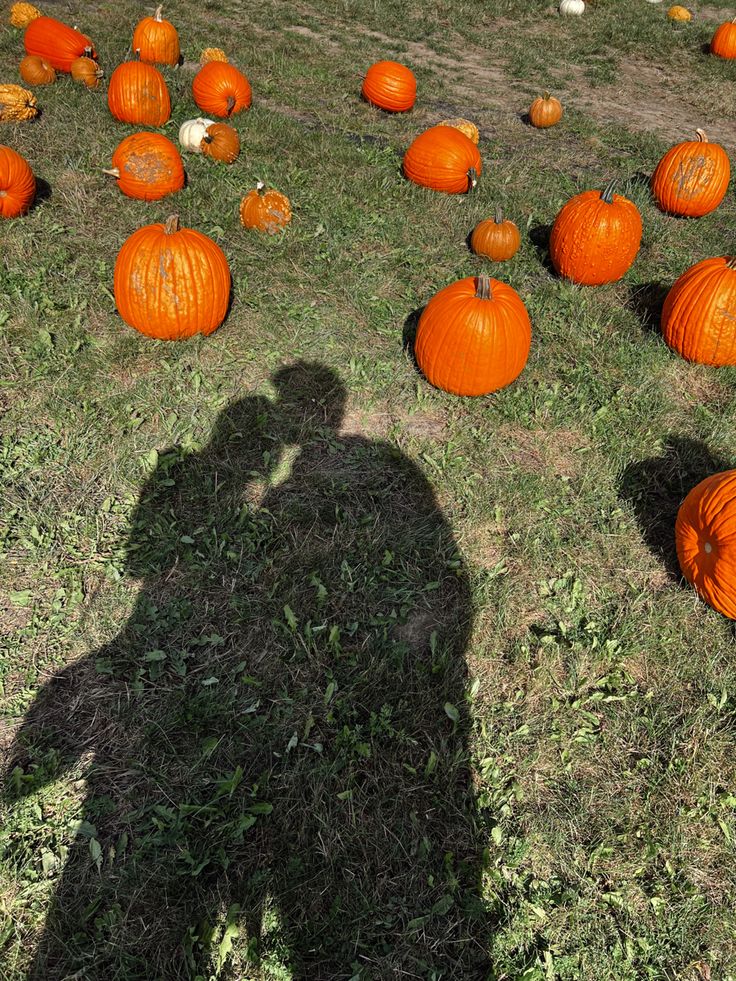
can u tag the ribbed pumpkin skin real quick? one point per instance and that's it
(390, 86)
(470, 346)
(723, 43)
(705, 536)
(699, 314)
(545, 111)
(56, 43)
(86, 71)
(17, 184)
(156, 40)
(266, 210)
(495, 238)
(137, 94)
(593, 242)
(150, 166)
(692, 178)
(36, 71)
(442, 158)
(220, 89)
(221, 143)
(171, 285)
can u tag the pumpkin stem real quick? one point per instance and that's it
(172, 225)
(230, 104)
(260, 188)
(607, 192)
(498, 217)
(731, 262)
(702, 138)
(546, 96)
(483, 288)
(113, 173)
(157, 16)
(472, 178)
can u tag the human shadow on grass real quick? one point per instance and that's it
(278, 735)
(657, 486)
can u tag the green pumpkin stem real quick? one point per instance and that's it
(483, 288)
(546, 96)
(607, 192)
(172, 224)
(472, 178)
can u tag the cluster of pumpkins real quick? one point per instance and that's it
(723, 43)
(473, 336)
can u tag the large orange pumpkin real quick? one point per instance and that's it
(219, 88)
(137, 93)
(17, 184)
(147, 166)
(705, 536)
(473, 337)
(595, 237)
(692, 178)
(156, 40)
(444, 159)
(57, 43)
(390, 86)
(171, 282)
(699, 314)
(723, 43)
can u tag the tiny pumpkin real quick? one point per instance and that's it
(545, 111)
(156, 40)
(465, 126)
(17, 104)
(192, 132)
(17, 184)
(219, 88)
(679, 13)
(171, 282)
(699, 313)
(147, 166)
(21, 14)
(391, 86)
(87, 71)
(692, 178)
(705, 536)
(221, 142)
(265, 210)
(723, 42)
(137, 94)
(56, 42)
(496, 238)
(443, 159)
(36, 71)
(212, 54)
(473, 337)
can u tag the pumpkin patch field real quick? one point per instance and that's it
(368, 491)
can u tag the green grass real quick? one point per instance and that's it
(327, 674)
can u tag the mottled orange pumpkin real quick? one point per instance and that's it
(705, 536)
(87, 71)
(17, 184)
(699, 314)
(156, 41)
(147, 166)
(137, 94)
(497, 238)
(21, 14)
(57, 43)
(545, 111)
(723, 43)
(265, 210)
(36, 71)
(444, 159)
(171, 282)
(220, 89)
(390, 86)
(221, 143)
(692, 178)
(595, 237)
(473, 337)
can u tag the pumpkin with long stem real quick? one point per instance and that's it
(473, 337)
(443, 159)
(699, 313)
(137, 93)
(390, 86)
(87, 71)
(264, 209)
(496, 238)
(156, 40)
(220, 89)
(171, 282)
(221, 142)
(147, 166)
(595, 237)
(21, 14)
(723, 42)
(36, 71)
(57, 43)
(17, 104)
(692, 178)
(545, 111)
(17, 184)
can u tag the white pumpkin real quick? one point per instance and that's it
(192, 132)
(572, 8)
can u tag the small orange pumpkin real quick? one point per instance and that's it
(705, 536)
(545, 111)
(137, 94)
(473, 337)
(36, 71)
(147, 166)
(87, 71)
(723, 43)
(496, 238)
(692, 178)
(699, 314)
(56, 42)
(156, 41)
(221, 143)
(171, 282)
(444, 159)
(17, 184)
(390, 86)
(220, 89)
(267, 211)
(595, 237)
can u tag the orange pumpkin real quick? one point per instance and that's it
(87, 71)
(545, 111)
(156, 40)
(220, 89)
(699, 314)
(36, 71)
(17, 184)
(137, 93)
(147, 166)
(692, 178)
(221, 142)
(212, 54)
(57, 43)
(266, 211)
(21, 14)
(595, 237)
(723, 43)
(705, 536)
(390, 86)
(171, 282)
(496, 238)
(444, 159)
(473, 337)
